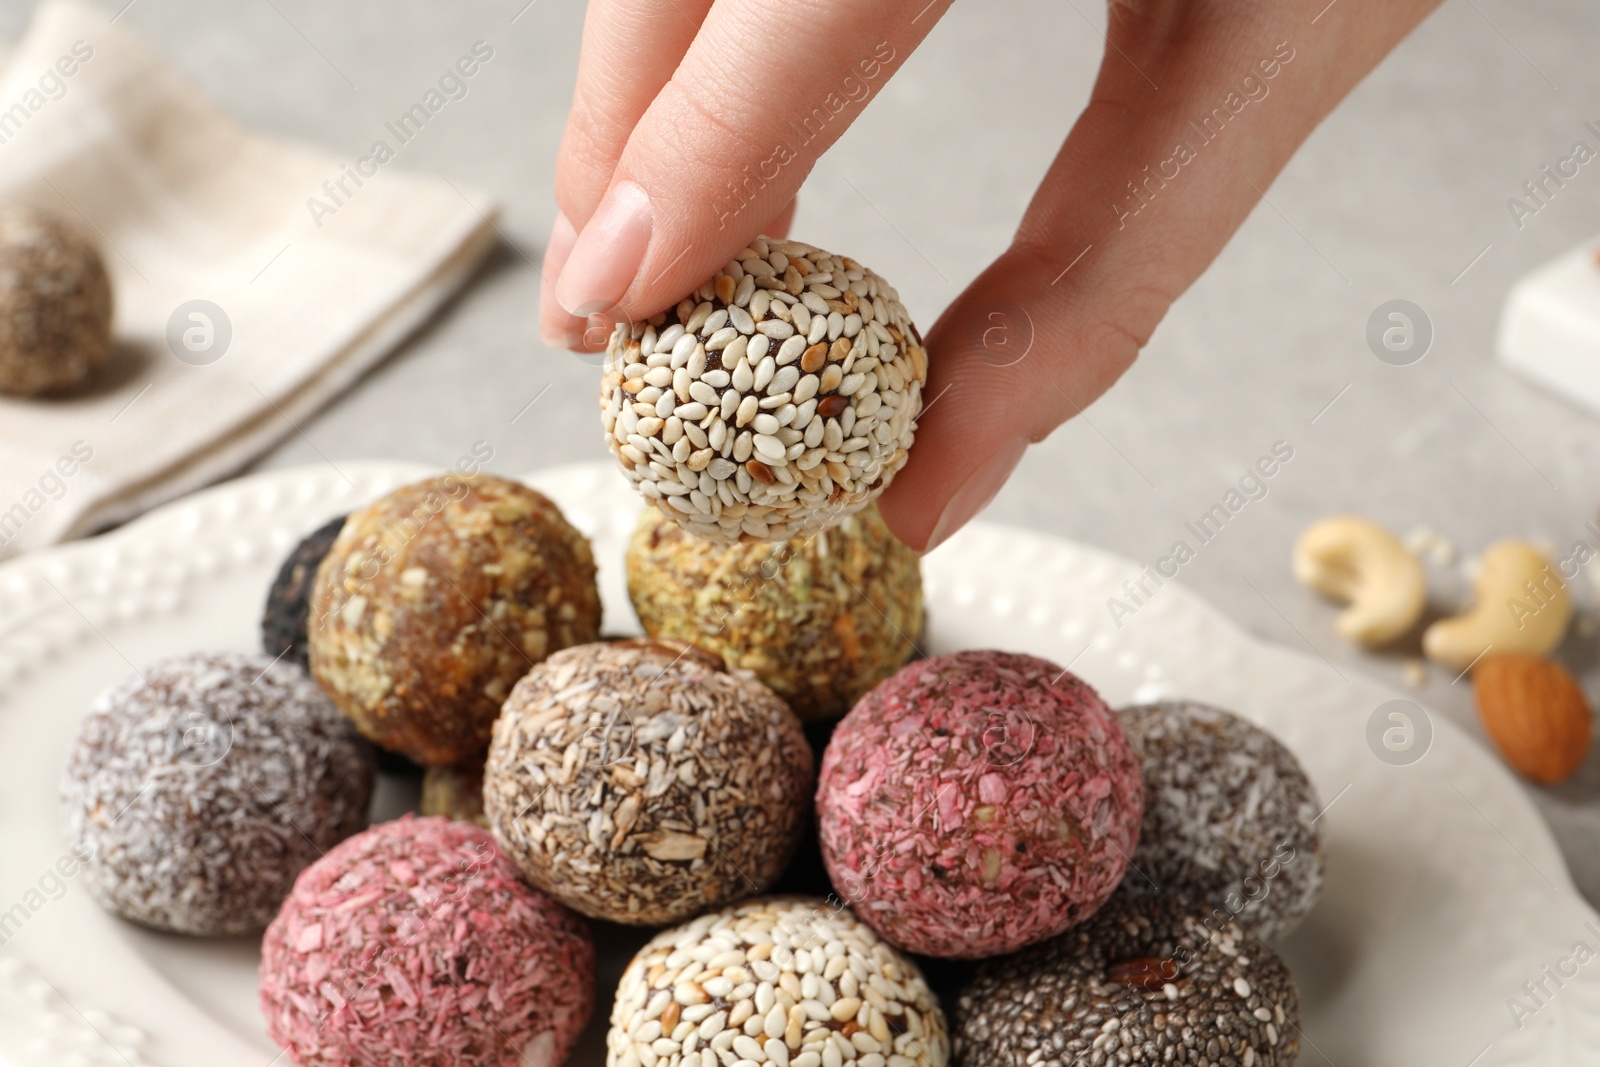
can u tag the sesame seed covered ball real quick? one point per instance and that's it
(1147, 981)
(417, 942)
(788, 981)
(820, 618)
(976, 803)
(436, 599)
(1229, 816)
(55, 304)
(288, 609)
(642, 782)
(202, 787)
(777, 398)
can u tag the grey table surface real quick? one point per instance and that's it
(1400, 194)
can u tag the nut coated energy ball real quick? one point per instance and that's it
(820, 618)
(777, 398)
(202, 787)
(418, 943)
(1229, 816)
(1147, 981)
(640, 782)
(784, 980)
(436, 599)
(55, 304)
(976, 803)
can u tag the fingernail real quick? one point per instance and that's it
(609, 252)
(975, 493)
(557, 328)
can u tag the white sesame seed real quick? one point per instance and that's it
(764, 424)
(775, 328)
(767, 370)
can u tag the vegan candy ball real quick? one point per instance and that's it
(779, 397)
(203, 787)
(782, 980)
(641, 782)
(820, 618)
(55, 304)
(1178, 988)
(976, 803)
(1229, 816)
(436, 599)
(288, 609)
(416, 942)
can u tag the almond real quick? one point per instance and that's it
(1535, 712)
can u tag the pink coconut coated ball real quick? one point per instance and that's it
(417, 942)
(977, 803)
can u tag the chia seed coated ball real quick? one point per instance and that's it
(55, 304)
(456, 792)
(774, 400)
(1228, 816)
(976, 803)
(203, 787)
(417, 942)
(1148, 980)
(781, 980)
(288, 609)
(436, 599)
(820, 618)
(642, 782)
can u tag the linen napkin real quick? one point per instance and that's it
(240, 310)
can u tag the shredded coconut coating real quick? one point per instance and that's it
(779, 397)
(436, 599)
(820, 619)
(1229, 816)
(204, 787)
(641, 782)
(55, 304)
(417, 943)
(976, 803)
(288, 608)
(456, 792)
(787, 981)
(1147, 981)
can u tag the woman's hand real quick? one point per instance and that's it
(694, 123)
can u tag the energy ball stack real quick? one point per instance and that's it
(288, 610)
(784, 981)
(436, 599)
(1146, 982)
(640, 782)
(777, 398)
(977, 803)
(417, 943)
(1229, 817)
(55, 304)
(821, 618)
(203, 787)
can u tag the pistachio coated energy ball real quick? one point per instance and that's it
(820, 618)
(436, 599)
(779, 397)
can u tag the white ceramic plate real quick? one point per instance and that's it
(1445, 892)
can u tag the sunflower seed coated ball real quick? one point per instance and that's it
(642, 782)
(1147, 981)
(787, 981)
(201, 788)
(1229, 816)
(777, 398)
(55, 304)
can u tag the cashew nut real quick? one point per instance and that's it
(1356, 561)
(1521, 605)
